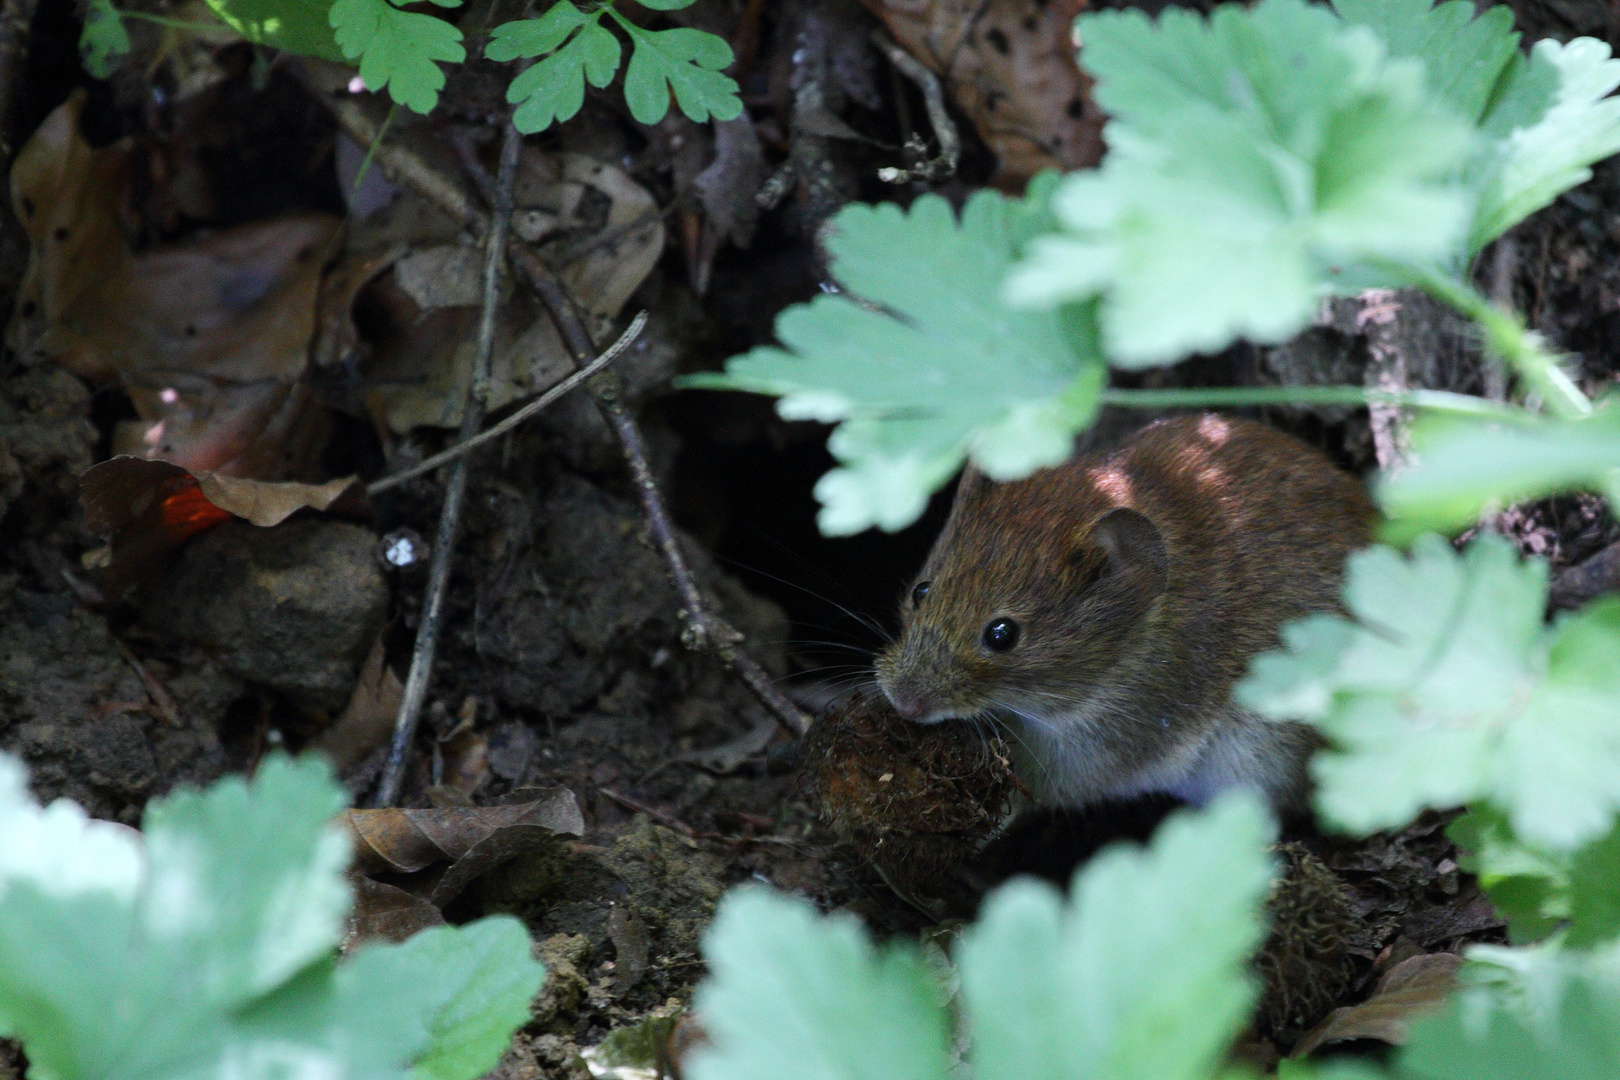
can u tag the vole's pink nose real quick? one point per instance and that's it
(907, 705)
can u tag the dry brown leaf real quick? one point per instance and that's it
(146, 508)
(385, 912)
(473, 840)
(726, 191)
(368, 719)
(69, 198)
(1415, 986)
(212, 336)
(597, 228)
(1010, 66)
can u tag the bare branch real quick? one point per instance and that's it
(472, 418)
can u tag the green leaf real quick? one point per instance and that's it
(926, 367)
(1556, 120)
(103, 39)
(1539, 890)
(1464, 467)
(666, 5)
(535, 37)
(1446, 689)
(1523, 1014)
(554, 89)
(1255, 160)
(298, 26)
(242, 890)
(472, 987)
(1468, 54)
(796, 996)
(1594, 892)
(682, 60)
(208, 950)
(1530, 887)
(397, 49)
(1141, 975)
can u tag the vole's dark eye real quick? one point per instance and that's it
(919, 592)
(1000, 635)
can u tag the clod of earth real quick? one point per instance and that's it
(295, 607)
(917, 800)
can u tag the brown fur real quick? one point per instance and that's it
(1133, 631)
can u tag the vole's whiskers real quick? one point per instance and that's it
(866, 621)
(1011, 729)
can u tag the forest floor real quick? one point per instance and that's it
(314, 319)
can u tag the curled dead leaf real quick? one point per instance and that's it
(1415, 986)
(1010, 66)
(146, 508)
(473, 840)
(368, 719)
(385, 912)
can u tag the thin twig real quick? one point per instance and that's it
(950, 143)
(702, 629)
(472, 418)
(556, 391)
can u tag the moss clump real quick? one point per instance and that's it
(1306, 966)
(916, 799)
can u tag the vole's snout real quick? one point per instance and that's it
(903, 693)
(910, 706)
(912, 676)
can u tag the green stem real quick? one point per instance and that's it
(1434, 400)
(1509, 339)
(173, 24)
(371, 151)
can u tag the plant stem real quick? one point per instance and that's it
(1518, 346)
(552, 394)
(1435, 400)
(172, 24)
(472, 418)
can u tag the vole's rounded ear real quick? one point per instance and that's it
(1133, 543)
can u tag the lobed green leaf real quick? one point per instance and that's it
(1255, 160)
(1523, 1014)
(535, 37)
(209, 950)
(103, 39)
(1462, 468)
(919, 363)
(684, 61)
(554, 89)
(1141, 974)
(397, 49)
(1445, 689)
(796, 996)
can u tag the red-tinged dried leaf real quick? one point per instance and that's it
(1010, 66)
(146, 509)
(1410, 989)
(385, 912)
(473, 839)
(367, 721)
(268, 429)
